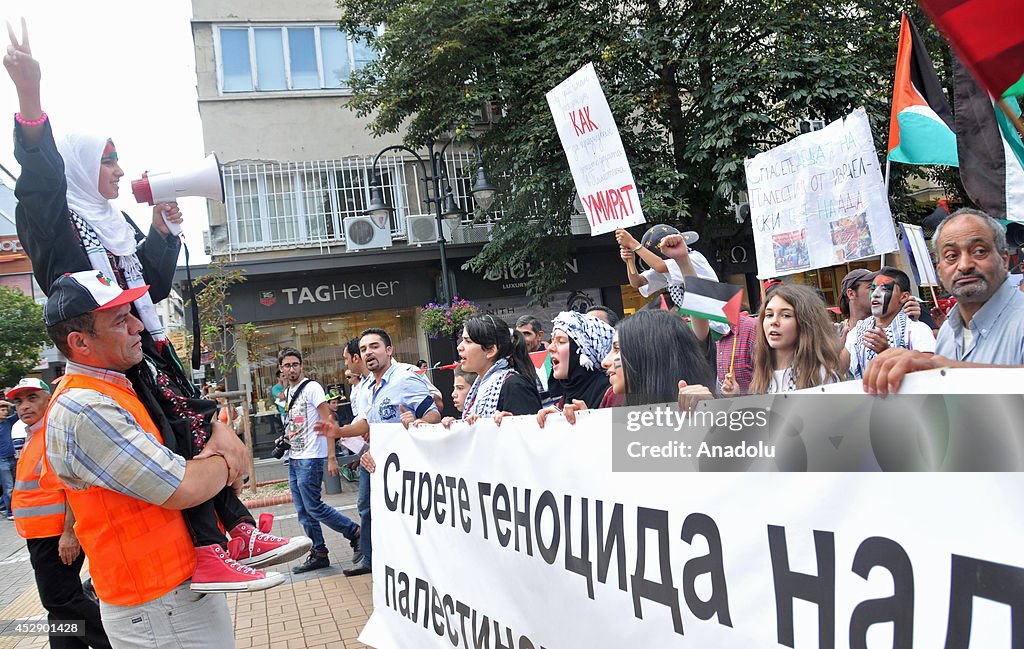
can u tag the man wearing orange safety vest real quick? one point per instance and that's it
(125, 487)
(45, 522)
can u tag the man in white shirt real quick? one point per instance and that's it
(306, 404)
(888, 327)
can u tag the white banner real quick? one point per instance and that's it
(594, 149)
(819, 200)
(525, 537)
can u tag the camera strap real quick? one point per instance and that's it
(295, 395)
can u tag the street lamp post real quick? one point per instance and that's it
(483, 193)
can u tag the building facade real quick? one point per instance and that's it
(298, 168)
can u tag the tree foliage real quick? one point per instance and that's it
(22, 335)
(696, 86)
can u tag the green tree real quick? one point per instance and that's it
(22, 335)
(696, 86)
(218, 327)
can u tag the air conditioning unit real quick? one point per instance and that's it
(422, 228)
(365, 233)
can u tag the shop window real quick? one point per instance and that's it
(322, 341)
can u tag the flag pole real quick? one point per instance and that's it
(1015, 119)
(732, 361)
(888, 164)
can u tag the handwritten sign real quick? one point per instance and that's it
(819, 200)
(594, 149)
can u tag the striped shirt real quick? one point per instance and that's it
(91, 441)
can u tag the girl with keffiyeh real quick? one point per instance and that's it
(507, 380)
(67, 223)
(578, 345)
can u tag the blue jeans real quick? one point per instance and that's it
(304, 478)
(8, 468)
(365, 538)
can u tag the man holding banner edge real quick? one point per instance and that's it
(986, 328)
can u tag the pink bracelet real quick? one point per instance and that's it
(24, 122)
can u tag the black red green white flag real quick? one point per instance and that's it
(712, 300)
(990, 149)
(921, 123)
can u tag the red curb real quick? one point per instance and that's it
(268, 482)
(267, 502)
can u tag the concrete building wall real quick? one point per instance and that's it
(287, 126)
(264, 10)
(286, 129)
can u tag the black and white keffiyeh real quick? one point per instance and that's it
(895, 333)
(483, 396)
(593, 337)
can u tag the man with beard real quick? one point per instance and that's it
(986, 327)
(388, 393)
(888, 326)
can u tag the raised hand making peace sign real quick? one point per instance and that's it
(24, 72)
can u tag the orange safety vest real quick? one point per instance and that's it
(137, 551)
(38, 513)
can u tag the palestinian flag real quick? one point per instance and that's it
(988, 36)
(712, 300)
(541, 362)
(991, 151)
(921, 126)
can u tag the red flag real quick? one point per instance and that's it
(988, 36)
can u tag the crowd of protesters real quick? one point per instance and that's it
(791, 343)
(124, 455)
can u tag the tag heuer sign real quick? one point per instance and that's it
(267, 298)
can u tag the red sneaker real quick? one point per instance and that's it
(217, 572)
(258, 548)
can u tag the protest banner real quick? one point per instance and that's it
(594, 149)
(819, 200)
(524, 537)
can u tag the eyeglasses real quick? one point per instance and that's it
(289, 366)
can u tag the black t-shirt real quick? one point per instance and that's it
(519, 396)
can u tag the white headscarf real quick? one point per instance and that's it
(100, 225)
(81, 154)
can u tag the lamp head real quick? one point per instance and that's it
(484, 192)
(451, 208)
(377, 207)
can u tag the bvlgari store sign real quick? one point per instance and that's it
(582, 270)
(259, 300)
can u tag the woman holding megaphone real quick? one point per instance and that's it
(67, 223)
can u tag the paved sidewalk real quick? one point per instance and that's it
(318, 609)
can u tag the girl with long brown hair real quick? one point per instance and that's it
(796, 344)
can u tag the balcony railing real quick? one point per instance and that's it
(304, 204)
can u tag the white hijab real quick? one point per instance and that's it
(81, 154)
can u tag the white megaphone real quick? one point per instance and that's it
(203, 179)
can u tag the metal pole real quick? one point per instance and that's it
(446, 292)
(246, 431)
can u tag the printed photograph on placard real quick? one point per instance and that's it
(851, 238)
(790, 250)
